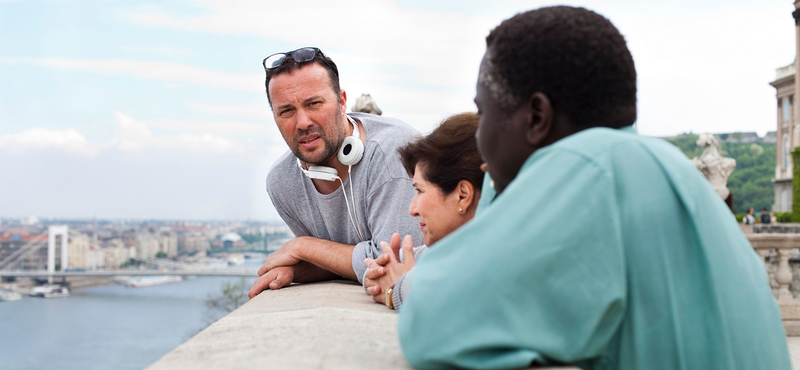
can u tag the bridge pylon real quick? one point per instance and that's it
(53, 232)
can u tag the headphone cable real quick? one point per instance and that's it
(344, 192)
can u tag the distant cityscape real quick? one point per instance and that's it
(105, 244)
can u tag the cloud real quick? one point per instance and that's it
(135, 136)
(200, 143)
(69, 141)
(693, 66)
(256, 110)
(216, 127)
(151, 70)
(169, 51)
(430, 47)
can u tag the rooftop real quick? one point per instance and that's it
(784, 71)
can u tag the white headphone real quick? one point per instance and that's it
(349, 155)
(352, 148)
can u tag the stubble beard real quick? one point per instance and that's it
(329, 147)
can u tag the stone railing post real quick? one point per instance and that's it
(764, 243)
(784, 278)
(763, 254)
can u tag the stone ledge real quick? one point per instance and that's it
(328, 325)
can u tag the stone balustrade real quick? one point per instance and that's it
(780, 247)
(782, 228)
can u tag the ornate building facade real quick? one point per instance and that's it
(787, 89)
(786, 138)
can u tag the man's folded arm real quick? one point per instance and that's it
(327, 255)
(326, 259)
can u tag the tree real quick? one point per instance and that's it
(751, 181)
(232, 296)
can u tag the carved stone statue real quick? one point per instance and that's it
(365, 104)
(713, 165)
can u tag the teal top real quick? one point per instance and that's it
(608, 251)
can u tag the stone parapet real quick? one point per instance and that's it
(782, 228)
(328, 325)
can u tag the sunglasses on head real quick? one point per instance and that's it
(300, 55)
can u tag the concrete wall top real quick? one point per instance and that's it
(328, 325)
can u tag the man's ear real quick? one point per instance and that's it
(540, 119)
(343, 100)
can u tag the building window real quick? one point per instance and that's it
(784, 201)
(786, 109)
(785, 152)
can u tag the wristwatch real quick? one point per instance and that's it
(389, 301)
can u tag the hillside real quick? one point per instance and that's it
(751, 181)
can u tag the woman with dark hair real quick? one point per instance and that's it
(445, 167)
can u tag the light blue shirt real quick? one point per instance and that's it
(608, 250)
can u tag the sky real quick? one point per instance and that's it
(157, 110)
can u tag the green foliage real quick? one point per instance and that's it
(783, 216)
(688, 145)
(751, 181)
(131, 263)
(251, 238)
(161, 255)
(230, 298)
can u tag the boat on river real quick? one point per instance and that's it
(49, 291)
(145, 281)
(235, 260)
(9, 295)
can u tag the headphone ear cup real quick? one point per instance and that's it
(351, 151)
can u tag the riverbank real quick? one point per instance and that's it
(72, 282)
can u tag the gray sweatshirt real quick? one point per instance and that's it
(382, 192)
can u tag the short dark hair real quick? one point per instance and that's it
(447, 155)
(574, 56)
(288, 64)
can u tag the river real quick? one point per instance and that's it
(106, 327)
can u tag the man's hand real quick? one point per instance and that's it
(383, 272)
(304, 259)
(276, 278)
(287, 255)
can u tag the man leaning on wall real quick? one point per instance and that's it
(340, 188)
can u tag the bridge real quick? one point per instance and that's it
(108, 273)
(165, 267)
